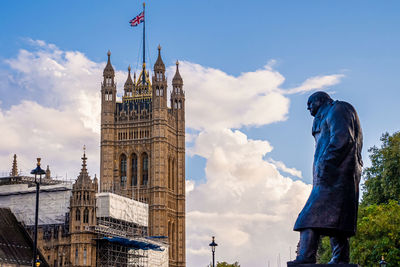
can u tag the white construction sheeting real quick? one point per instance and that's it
(122, 208)
(158, 258)
(21, 199)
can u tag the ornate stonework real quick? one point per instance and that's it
(143, 149)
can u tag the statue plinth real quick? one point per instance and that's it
(322, 265)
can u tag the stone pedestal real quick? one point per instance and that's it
(322, 265)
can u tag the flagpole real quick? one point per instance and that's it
(144, 43)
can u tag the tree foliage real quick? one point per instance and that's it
(225, 264)
(382, 179)
(378, 234)
(378, 225)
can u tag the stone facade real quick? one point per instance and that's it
(82, 216)
(72, 243)
(143, 149)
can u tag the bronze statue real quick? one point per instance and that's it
(331, 209)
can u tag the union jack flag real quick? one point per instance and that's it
(137, 20)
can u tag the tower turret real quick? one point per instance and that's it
(82, 218)
(159, 83)
(159, 66)
(129, 85)
(177, 94)
(48, 173)
(108, 100)
(108, 70)
(108, 92)
(14, 170)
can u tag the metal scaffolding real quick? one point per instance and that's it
(123, 254)
(111, 254)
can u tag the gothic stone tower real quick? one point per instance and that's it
(143, 149)
(82, 214)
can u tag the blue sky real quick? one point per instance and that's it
(357, 40)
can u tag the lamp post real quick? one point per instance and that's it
(383, 263)
(213, 245)
(36, 172)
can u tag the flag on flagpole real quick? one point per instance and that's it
(137, 20)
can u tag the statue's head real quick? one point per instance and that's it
(317, 100)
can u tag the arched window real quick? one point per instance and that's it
(179, 104)
(173, 240)
(169, 172)
(159, 76)
(76, 256)
(86, 216)
(145, 169)
(170, 240)
(78, 215)
(157, 92)
(161, 91)
(175, 104)
(108, 81)
(134, 169)
(123, 170)
(84, 256)
(173, 175)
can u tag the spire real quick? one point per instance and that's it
(83, 175)
(14, 170)
(177, 80)
(109, 68)
(84, 158)
(159, 65)
(48, 173)
(129, 79)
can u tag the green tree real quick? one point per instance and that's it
(378, 234)
(382, 179)
(225, 264)
(378, 225)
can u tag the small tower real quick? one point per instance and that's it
(108, 100)
(82, 218)
(129, 85)
(14, 170)
(48, 173)
(177, 94)
(108, 92)
(159, 83)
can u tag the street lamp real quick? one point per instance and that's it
(213, 245)
(38, 171)
(382, 263)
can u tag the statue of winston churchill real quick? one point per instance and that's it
(331, 209)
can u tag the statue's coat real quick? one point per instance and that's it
(333, 203)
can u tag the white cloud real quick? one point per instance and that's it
(216, 100)
(281, 166)
(317, 82)
(252, 98)
(62, 115)
(246, 203)
(189, 186)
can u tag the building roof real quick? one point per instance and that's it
(16, 246)
(177, 80)
(159, 65)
